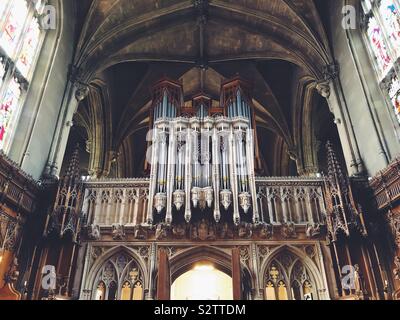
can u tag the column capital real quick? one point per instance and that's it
(330, 71)
(82, 91)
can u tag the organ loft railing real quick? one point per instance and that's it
(112, 202)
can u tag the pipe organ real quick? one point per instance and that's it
(202, 155)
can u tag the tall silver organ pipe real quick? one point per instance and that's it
(203, 154)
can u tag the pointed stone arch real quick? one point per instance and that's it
(321, 287)
(185, 261)
(93, 273)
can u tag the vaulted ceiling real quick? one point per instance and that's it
(125, 46)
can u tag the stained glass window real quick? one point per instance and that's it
(2, 71)
(375, 35)
(30, 45)
(394, 94)
(3, 5)
(7, 108)
(20, 39)
(383, 38)
(391, 20)
(15, 20)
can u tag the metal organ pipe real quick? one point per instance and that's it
(233, 174)
(199, 160)
(153, 174)
(251, 173)
(215, 178)
(188, 174)
(170, 173)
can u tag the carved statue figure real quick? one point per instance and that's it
(245, 231)
(161, 232)
(179, 231)
(203, 231)
(93, 232)
(140, 232)
(313, 230)
(266, 231)
(118, 232)
(288, 230)
(225, 231)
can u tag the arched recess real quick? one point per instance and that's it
(115, 273)
(289, 274)
(304, 126)
(95, 116)
(185, 261)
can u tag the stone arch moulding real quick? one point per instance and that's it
(184, 261)
(320, 282)
(90, 275)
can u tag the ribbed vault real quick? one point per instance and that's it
(125, 46)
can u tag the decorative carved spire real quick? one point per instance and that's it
(336, 177)
(72, 174)
(66, 216)
(342, 212)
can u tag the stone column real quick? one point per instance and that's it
(76, 92)
(308, 206)
(269, 204)
(85, 205)
(330, 89)
(136, 200)
(284, 206)
(151, 271)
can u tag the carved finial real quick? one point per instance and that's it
(72, 174)
(335, 172)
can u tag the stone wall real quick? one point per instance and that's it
(375, 130)
(42, 107)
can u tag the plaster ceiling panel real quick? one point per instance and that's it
(176, 42)
(278, 10)
(196, 81)
(224, 40)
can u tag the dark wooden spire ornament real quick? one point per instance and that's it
(65, 216)
(342, 210)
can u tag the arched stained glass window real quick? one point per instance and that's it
(394, 94)
(382, 21)
(14, 26)
(9, 104)
(391, 20)
(30, 45)
(20, 42)
(375, 36)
